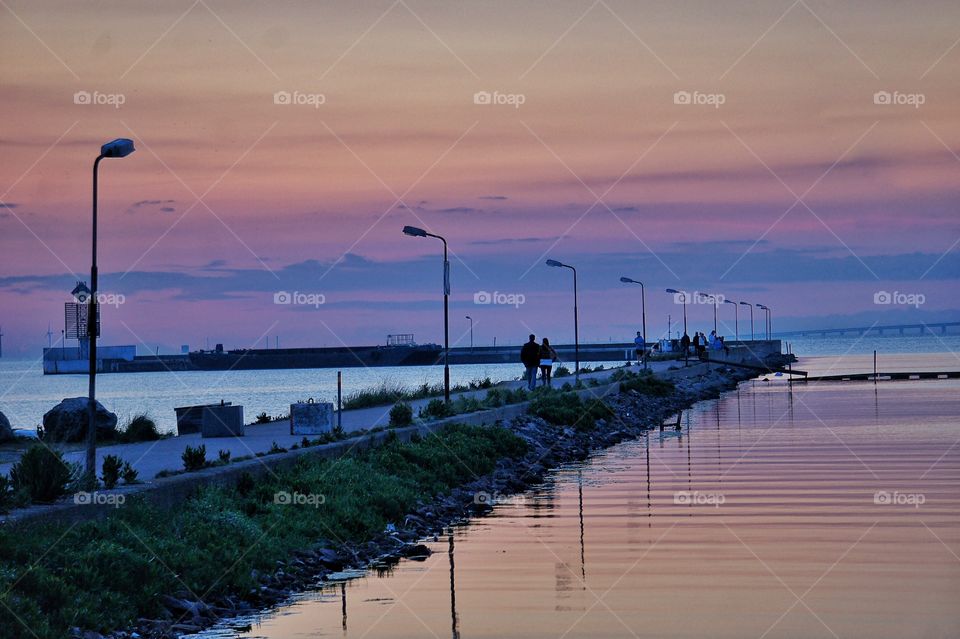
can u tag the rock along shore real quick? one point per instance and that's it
(548, 446)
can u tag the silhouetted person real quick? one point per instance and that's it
(530, 358)
(641, 347)
(685, 345)
(547, 355)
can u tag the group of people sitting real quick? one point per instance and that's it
(537, 357)
(701, 343)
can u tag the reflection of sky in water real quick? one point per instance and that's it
(638, 527)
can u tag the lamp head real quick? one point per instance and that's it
(761, 306)
(414, 231)
(673, 291)
(626, 280)
(554, 263)
(729, 302)
(119, 148)
(745, 304)
(467, 317)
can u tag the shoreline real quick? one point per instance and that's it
(632, 414)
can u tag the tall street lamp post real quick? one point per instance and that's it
(736, 319)
(643, 313)
(683, 296)
(768, 325)
(751, 318)
(576, 321)
(119, 148)
(471, 332)
(413, 231)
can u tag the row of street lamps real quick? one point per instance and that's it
(768, 324)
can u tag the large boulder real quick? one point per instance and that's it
(6, 431)
(67, 421)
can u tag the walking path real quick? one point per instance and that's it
(149, 458)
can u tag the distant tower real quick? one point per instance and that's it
(49, 336)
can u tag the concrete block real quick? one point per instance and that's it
(222, 421)
(190, 418)
(311, 418)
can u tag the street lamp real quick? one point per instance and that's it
(751, 318)
(643, 313)
(767, 323)
(736, 319)
(683, 296)
(413, 231)
(119, 148)
(576, 326)
(471, 332)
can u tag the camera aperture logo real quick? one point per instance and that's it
(483, 98)
(297, 298)
(496, 499)
(97, 498)
(299, 98)
(499, 299)
(103, 299)
(698, 498)
(696, 98)
(95, 98)
(895, 98)
(283, 498)
(899, 299)
(896, 498)
(683, 297)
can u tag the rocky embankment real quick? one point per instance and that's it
(632, 413)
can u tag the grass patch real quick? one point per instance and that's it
(391, 392)
(103, 575)
(567, 409)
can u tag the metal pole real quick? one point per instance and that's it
(736, 320)
(576, 328)
(446, 326)
(874, 367)
(714, 313)
(752, 338)
(91, 460)
(686, 351)
(339, 399)
(643, 321)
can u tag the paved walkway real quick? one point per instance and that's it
(149, 458)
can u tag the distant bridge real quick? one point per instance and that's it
(930, 327)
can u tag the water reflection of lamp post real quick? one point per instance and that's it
(643, 313)
(413, 231)
(453, 592)
(576, 327)
(119, 148)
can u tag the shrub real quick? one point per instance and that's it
(194, 458)
(435, 409)
(140, 429)
(401, 414)
(464, 404)
(129, 473)
(42, 473)
(6, 494)
(276, 448)
(263, 418)
(494, 398)
(562, 371)
(566, 409)
(648, 385)
(112, 466)
(224, 456)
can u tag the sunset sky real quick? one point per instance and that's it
(791, 183)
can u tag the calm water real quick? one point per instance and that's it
(819, 511)
(26, 393)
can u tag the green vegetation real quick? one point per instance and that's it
(103, 575)
(401, 415)
(567, 409)
(391, 392)
(645, 383)
(562, 371)
(263, 418)
(140, 429)
(43, 474)
(110, 471)
(194, 458)
(495, 398)
(224, 456)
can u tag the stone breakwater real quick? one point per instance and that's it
(548, 446)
